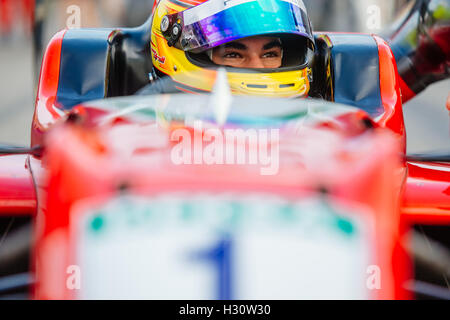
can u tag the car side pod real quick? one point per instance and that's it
(17, 194)
(427, 192)
(18, 206)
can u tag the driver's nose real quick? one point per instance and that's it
(255, 62)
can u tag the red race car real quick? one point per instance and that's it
(215, 196)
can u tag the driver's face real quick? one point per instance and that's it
(255, 52)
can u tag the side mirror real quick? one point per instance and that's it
(10, 150)
(430, 157)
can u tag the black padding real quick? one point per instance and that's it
(322, 76)
(130, 62)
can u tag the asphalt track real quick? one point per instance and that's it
(427, 119)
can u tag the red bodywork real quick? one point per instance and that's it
(17, 194)
(352, 177)
(424, 188)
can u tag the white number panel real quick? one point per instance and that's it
(204, 246)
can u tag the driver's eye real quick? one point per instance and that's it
(271, 54)
(232, 55)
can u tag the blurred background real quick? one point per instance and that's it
(25, 32)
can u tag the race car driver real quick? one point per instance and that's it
(266, 46)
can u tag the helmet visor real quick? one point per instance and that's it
(216, 22)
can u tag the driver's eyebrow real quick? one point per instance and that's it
(235, 45)
(272, 44)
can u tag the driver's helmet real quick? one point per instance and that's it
(184, 32)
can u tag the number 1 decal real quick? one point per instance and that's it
(220, 256)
